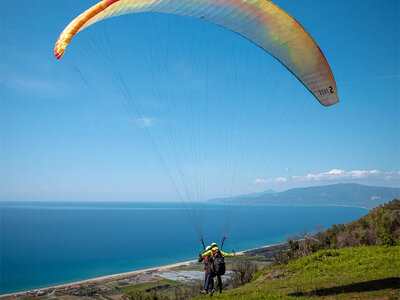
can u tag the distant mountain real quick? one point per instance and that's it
(235, 198)
(336, 194)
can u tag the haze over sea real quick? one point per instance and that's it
(49, 243)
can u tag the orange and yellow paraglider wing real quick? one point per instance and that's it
(75, 26)
(260, 21)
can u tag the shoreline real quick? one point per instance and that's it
(298, 205)
(104, 278)
(123, 275)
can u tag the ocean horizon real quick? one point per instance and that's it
(50, 243)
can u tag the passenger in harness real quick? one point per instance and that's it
(209, 271)
(219, 263)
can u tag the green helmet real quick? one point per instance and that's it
(208, 248)
(214, 245)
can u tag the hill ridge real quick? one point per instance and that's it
(349, 194)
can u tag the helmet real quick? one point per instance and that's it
(208, 248)
(214, 245)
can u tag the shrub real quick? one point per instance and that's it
(294, 245)
(243, 271)
(385, 238)
(380, 226)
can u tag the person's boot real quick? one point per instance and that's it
(204, 292)
(211, 293)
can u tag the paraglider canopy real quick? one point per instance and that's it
(260, 21)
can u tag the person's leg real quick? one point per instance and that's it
(207, 284)
(219, 283)
(211, 285)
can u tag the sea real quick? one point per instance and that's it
(49, 243)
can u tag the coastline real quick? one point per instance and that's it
(297, 205)
(120, 276)
(104, 278)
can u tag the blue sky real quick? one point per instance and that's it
(66, 133)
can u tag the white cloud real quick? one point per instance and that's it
(335, 174)
(145, 122)
(386, 76)
(34, 85)
(34, 75)
(392, 175)
(258, 180)
(280, 179)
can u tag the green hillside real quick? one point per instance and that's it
(357, 260)
(371, 272)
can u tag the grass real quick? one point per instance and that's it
(356, 273)
(194, 267)
(157, 285)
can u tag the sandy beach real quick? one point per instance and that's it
(119, 276)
